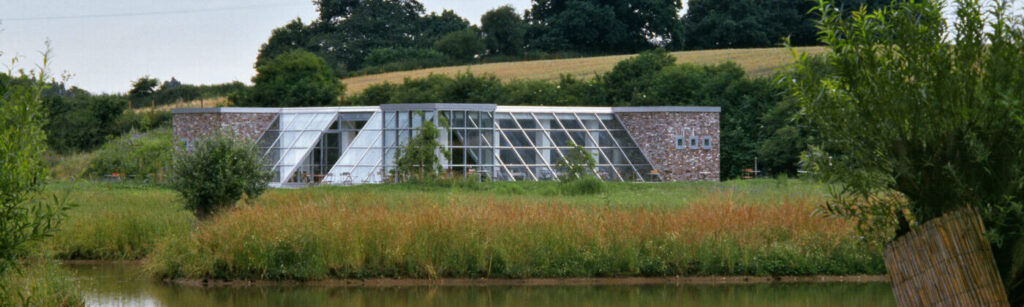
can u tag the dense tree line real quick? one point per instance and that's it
(370, 36)
(756, 119)
(81, 121)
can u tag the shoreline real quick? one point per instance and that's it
(568, 281)
(483, 282)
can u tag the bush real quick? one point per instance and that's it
(142, 156)
(583, 186)
(407, 58)
(214, 175)
(576, 164)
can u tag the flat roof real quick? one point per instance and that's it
(453, 106)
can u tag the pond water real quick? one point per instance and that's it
(126, 284)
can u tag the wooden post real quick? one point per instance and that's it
(945, 262)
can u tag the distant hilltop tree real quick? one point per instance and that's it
(297, 78)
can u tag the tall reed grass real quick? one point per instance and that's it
(39, 283)
(760, 228)
(116, 221)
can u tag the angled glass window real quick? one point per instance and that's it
(569, 121)
(504, 120)
(526, 121)
(590, 121)
(610, 122)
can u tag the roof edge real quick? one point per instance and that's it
(667, 109)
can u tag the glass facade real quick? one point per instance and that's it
(335, 147)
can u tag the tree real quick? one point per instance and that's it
(931, 115)
(215, 174)
(504, 31)
(577, 163)
(24, 215)
(294, 35)
(368, 25)
(461, 45)
(713, 24)
(435, 26)
(143, 87)
(296, 78)
(418, 159)
(605, 25)
(628, 76)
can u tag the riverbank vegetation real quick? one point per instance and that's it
(39, 283)
(466, 229)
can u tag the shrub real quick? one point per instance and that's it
(418, 159)
(583, 186)
(576, 164)
(217, 172)
(24, 217)
(405, 58)
(135, 156)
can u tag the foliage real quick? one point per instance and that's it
(143, 87)
(80, 121)
(216, 172)
(712, 24)
(504, 31)
(296, 78)
(462, 45)
(577, 163)
(117, 221)
(604, 25)
(294, 35)
(649, 79)
(353, 28)
(508, 230)
(932, 114)
(25, 217)
(585, 185)
(186, 92)
(433, 27)
(134, 156)
(418, 159)
(404, 58)
(43, 283)
(628, 75)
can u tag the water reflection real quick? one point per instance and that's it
(120, 284)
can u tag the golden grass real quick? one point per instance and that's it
(756, 61)
(200, 103)
(316, 234)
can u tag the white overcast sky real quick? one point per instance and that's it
(107, 44)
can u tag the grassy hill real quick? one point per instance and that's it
(757, 62)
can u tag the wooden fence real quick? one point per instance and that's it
(945, 262)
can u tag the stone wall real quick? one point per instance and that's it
(656, 134)
(249, 126)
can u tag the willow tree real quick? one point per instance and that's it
(25, 216)
(918, 119)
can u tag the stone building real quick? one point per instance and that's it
(353, 145)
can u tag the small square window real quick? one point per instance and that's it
(680, 142)
(693, 142)
(706, 142)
